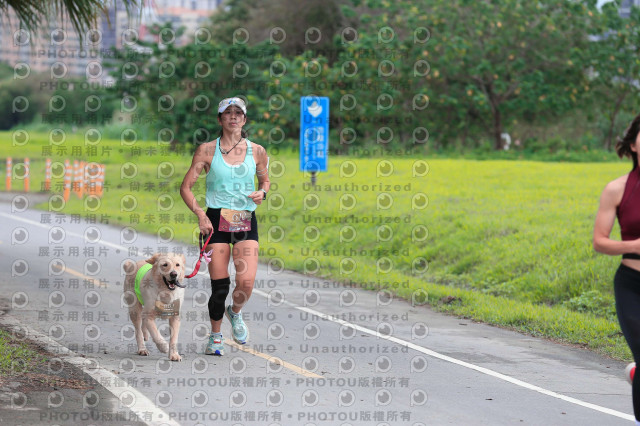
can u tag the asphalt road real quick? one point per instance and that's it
(319, 352)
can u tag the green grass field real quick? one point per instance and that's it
(505, 242)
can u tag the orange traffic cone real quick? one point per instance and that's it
(47, 175)
(7, 183)
(27, 181)
(67, 180)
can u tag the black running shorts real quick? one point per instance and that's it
(231, 237)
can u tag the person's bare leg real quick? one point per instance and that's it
(245, 259)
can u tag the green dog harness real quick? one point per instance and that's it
(141, 273)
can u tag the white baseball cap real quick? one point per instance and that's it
(227, 102)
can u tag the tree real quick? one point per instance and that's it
(81, 13)
(514, 58)
(24, 98)
(227, 20)
(177, 88)
(293, 25)
(614, 64)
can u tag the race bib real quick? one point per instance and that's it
(165, 310)
(234, 220)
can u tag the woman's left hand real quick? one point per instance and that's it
(257, 197)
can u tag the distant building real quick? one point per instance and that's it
(56, 49)
(191, 14)
(625, 7)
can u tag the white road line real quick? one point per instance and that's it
(461, 363)
(140, 405)
(410, 345)
(46, 226)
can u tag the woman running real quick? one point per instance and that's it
(230, 163)
(621, 198)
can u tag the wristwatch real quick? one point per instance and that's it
(265, 194)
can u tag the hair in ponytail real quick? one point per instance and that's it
(623, 146)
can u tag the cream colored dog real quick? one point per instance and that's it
(159, 294)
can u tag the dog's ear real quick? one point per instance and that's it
(129, 266)
(153, 259)
(184, 259)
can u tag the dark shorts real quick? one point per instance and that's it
(231, 237)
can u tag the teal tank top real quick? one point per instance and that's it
(228, 187)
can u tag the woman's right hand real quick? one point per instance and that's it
(205, 225)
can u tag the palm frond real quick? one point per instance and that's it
(82, 14)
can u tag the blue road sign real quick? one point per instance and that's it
(314, 133)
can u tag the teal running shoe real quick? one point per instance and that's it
(215, 347)
(239, 330)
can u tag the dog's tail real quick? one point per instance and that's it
(129, 267)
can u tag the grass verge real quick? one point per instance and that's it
(15, 355)
(25, 367)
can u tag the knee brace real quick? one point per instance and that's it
(219, 292)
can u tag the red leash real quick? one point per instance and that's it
(202, 249)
